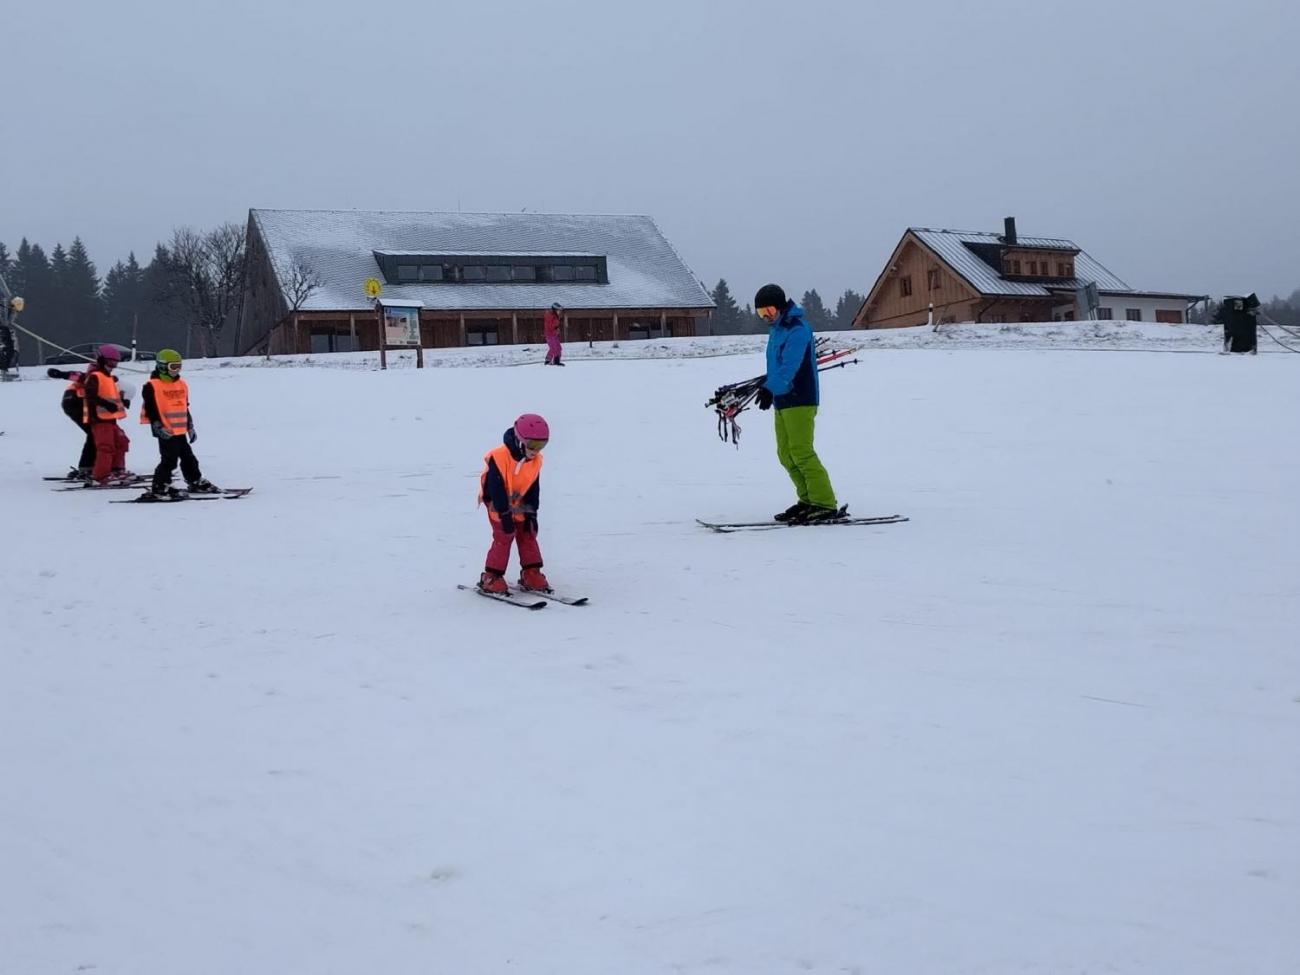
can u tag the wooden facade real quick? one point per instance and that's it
(916, 284)
(926, 281)
(325, 331)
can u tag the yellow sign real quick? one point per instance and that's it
(373, 287)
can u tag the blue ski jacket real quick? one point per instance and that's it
(792, 360)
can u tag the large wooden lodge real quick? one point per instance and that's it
(480, 278)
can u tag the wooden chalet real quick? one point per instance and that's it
(938, 276)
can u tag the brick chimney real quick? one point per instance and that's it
(1009, 230)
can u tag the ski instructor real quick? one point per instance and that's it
(791, 386)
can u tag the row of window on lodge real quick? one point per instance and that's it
(497, 273)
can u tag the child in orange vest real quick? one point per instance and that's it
(103, 405)
(510, 487)
(74, 408)
(166, 408)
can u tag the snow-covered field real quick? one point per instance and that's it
(1050, 725)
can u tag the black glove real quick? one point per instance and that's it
(530, 523)
(56, 373)
(507, 522)
(764, 398)
(194, 435)
(157, 429)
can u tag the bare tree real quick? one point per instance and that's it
(211, 269)
(300, 281)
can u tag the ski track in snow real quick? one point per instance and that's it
(1049, 725)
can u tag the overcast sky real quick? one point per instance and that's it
(786, 141)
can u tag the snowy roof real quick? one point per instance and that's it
(464, 253)
(950, 245)
(340, 245)
(388, 302)
(1133, 293)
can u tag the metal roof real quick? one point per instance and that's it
(950, 245)
(339, 245)
(445, 253)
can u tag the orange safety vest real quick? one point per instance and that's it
(519, 475)
(107, 390)
(173, 402)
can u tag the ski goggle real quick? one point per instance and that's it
(174, 368)
(767, 313)
(535, 444)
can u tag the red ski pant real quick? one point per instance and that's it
(553, 350)
(498, 556)
(111, 446)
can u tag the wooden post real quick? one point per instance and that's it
(464, 336)
(383, 337)
(615, 326)
(352, 329)
(663, 324)
(514, 328)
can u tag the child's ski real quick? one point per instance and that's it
(86, 487)
(150, 498)
(230, 493)
(522, 602)
(550, 595)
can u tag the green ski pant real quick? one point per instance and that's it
(794, 449)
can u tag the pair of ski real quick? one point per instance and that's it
(134, 481)
(528, 598)
(230, 494)
(725, 527)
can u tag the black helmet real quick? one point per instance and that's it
(770, 296)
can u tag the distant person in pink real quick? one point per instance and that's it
(551, 326)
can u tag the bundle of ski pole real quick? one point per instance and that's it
(730, 401)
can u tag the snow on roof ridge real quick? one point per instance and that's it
(467, 213)
(988, 233)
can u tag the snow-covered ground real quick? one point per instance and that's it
(1050, 725)
(1106, 336)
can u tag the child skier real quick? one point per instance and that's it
(510, 488)
(103, 404)
(73, 405)
(165, 406)
(551, 325)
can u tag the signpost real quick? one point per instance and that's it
(399, 325)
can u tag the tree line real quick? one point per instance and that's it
(182, 299)
(729, 318)
(1283, 311)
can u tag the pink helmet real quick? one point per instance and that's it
(110, 353)
(530, 426)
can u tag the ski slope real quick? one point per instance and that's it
(1049, 725)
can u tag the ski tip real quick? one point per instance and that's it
(508, 598)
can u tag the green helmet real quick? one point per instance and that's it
(165, 360)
